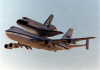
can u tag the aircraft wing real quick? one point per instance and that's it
(74, 39)
(79, 39)
(57, 41)
(72, 46)
(16, 45)
(21, 45)
(60, 42)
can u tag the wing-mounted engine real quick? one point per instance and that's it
(71, 41)
(12, 45)
(7, 46)
(16, 45)
(48, 43)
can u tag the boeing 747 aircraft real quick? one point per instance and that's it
(37, 28)
(29, 40)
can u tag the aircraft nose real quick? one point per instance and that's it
(22, 22)
(6, 30)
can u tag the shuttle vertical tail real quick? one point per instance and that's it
(68, 34)
(49, 20)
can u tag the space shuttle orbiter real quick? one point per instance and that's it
(37, 28)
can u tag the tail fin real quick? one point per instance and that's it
(68, 34)
(87, 44)
(49, 20)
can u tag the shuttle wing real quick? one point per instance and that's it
(43, 32)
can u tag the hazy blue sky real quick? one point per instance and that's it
(81, 15)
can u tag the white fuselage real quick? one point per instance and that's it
(24, 37)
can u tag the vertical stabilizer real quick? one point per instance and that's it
(87, 44)
(68, 34)
(49, 20)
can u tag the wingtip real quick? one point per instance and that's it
(94, 37)
(91, 37)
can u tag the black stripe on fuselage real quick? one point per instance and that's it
(63, 47)
(25, 35)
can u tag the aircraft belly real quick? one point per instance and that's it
(22, 39)
(45, 47)
(26, 41)
(17, 37)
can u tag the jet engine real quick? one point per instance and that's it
(16, 45)
(7, 46)
(10, 46)
(71, 41)
(48, 43)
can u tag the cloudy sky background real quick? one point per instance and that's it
(81, 15)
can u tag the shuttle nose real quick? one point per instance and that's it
(22, 22)
(19, 21)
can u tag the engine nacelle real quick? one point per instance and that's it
(12, 45)
(48, 43)
(7, 46)
(71, 41)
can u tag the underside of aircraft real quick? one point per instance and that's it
(30, 40)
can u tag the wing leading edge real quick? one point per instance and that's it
(73, 39)
(57, 41)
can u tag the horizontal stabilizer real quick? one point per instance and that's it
(66, 47)
(72, 46)
(73, 39)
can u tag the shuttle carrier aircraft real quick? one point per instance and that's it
(31, 40)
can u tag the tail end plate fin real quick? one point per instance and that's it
(87, 44)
